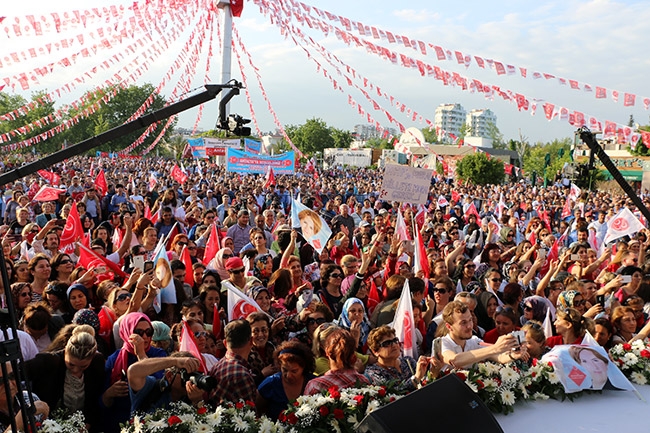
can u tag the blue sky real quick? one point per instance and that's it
(602, 43)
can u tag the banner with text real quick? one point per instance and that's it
(406, 184)
(243, 162)
(207, 147)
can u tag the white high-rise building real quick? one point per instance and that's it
(478, 122)
(449, 118)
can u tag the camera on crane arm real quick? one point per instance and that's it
(235, 125)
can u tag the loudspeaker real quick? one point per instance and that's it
(446, 405)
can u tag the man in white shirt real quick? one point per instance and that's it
(460, 348)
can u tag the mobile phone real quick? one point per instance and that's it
(138, 262)
(100, 270)
(601, 300)
(520, 336)
(148, 265)
(60, 222)
(541, 254)
(337, 243)
(626, 279)
(575, 257)
(437, 349)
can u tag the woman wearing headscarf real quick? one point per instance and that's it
(136, 331)
(218, 263)
(263, 268)
(485, 309)
(353, 318)
(534, 309)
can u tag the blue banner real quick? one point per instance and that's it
(198, 147)
(244, 162)
(252, 146)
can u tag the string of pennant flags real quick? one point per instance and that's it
(303, 13)
(129, 22)
(208, 64)
(143, 61)
(278, 9)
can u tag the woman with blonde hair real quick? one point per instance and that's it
(71, 378)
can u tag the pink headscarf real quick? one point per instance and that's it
(220, 263)
(127, 325)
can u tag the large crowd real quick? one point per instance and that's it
(500, 259)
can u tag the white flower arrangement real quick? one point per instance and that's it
(633, 360)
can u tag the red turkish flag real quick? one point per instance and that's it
(374, 297)
(270, 178)
(212, 245)
(89, 258)
(100, 183)
(73, 229)
(48, 193)
(471, 210)
(51, 177)
(178, 175)
(566, 210)
(188, 344)
(645, 136)
(187, 261)
(601, 92)
(236, 7)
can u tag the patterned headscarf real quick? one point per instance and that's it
(565, 300)
(127, 325)
(87, 317)
(344, 320)
(259, 268)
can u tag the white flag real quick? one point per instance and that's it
(442, 201)
(574, 192)
(623, 224)
(404, 324)
(239, 304)
(548, 324)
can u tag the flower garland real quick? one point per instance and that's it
(633, 360)
(341, 410)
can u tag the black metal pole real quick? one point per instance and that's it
(211, 92)
(589, 139)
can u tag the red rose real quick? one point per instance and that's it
(533, 374)
(202, 410)
(324, 411)
(461, 375)
(382, 392)
(250, 403)
(550, 364)
(645, 353)
(358, 399)
(239, 405)
(338, 413)
(627, 346)
(282, 417)
(480, 384)
(334, 392)
(173, 420)
(292, 419)
(534, 362)
(392, 399)
(296, 403)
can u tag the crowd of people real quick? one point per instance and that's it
(500, 259)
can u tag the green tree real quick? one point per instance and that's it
(379, 143)
(312, 136)
(341, 138)
(174, 146)
(535, 156)
(496, 136)
(116, 112)
(480, 170)
(429, 135)
(9, 103)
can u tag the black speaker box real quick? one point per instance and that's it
(446, 405)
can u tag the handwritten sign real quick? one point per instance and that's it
(406, 184)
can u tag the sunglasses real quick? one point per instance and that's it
(65, 262)
(317, 321)
(437, 290)
(528, 308)
(236, 271)
(337, 275)
(182, 244)
(470, 266)
(123, 297)
(142, 332)
(258, 238)
(227, 256)
(388, 343)
(501, 309)
(579, 303)
(494, 280)
(200, 334)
